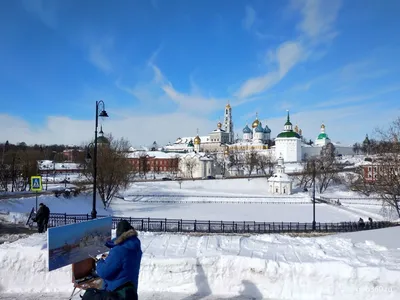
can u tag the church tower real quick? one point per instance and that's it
(228, 123)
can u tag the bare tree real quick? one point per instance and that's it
(173, 165)
(114, 171)
(236, 160)
(251, 161)
(190, 163)
(144, 164)
(382, 175)
(220, 162)
(266, 163)
(325, 168)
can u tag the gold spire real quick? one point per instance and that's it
(228, 106)
(256, 122)
(219, 125)
(296, 129)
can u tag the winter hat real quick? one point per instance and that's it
(123, 226)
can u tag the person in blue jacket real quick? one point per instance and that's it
(120, 269)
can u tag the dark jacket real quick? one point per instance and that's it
(46, 213)
(40, 214)
(122, 264)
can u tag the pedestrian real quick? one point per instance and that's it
(371, 222)
(40, 218)
(361, 223)
(46, 211)
(120, 268)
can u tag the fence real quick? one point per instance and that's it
(192, 226)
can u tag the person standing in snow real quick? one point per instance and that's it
(120, 269)
(361, 224)
(42, 217)
(46, 211)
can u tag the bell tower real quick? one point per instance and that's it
(228, 123)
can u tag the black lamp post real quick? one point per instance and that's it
(99, 113)
(314, 175)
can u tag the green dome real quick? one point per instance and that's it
(102, 140)
(190, 144)
(322, 136)
(288, 134)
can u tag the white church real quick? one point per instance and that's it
(288, 143)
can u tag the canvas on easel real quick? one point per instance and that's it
(73, 243)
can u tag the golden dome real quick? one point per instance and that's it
(228, 106)
(322, 126)
(255, 123)
(296, 128)
(197, 140)
(219, 125)
(226, 152)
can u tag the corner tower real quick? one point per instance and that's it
(288, 143)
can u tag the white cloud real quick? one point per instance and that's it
(249, 18)
(316, 26)
(193, 102)
(286, 56)
(359, 98)
(44, 10)
(99, 52)
(318, 18)
(138, 129)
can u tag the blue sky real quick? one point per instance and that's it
(166, 67)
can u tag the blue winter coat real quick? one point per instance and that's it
(122, 264)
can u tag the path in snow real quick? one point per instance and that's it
(142, 296)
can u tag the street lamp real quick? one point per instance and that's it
(99, 113)
(314, 175)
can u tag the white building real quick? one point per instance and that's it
(321, 141)
(288, 143)
(280, 182)
(196, 165)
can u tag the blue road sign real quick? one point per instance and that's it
(36, 183)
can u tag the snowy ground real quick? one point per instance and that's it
(348, 266)
(231, 200)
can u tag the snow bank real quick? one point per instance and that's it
(264, 266)
(82, 204)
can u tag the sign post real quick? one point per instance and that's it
(36, 186)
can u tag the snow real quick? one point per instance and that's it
(353, 266)
(217, 200)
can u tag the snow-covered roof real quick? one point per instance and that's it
(280, 177)
(155, 154)
(185, 140)
(50, 165)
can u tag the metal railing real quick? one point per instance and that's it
(202, 226)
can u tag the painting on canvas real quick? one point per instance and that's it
(75, 242)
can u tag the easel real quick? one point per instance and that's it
(84, 276)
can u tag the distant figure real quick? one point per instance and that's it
(120, 269)
(361, 223)
(42, 217)
(371, 222)
(46, 216)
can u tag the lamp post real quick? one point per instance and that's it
(99, 113)
(314, 175)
